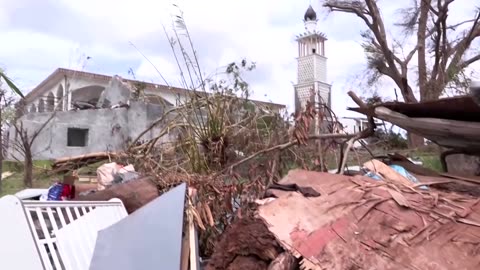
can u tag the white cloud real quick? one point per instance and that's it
(224, 30)
(158, 67)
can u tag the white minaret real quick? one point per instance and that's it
(312, 64)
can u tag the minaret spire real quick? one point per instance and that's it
(310, 19)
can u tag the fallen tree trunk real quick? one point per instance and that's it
(134, 194)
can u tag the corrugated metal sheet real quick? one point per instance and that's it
(358, 224)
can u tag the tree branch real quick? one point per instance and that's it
(369, 12)
(461, 47)
(356, 8)
(421, 42)
(440, 45)
(432, 29)
(469, 61)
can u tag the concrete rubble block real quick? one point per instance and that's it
(117, 92)
(463, 164)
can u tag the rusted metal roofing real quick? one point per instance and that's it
(358, 223)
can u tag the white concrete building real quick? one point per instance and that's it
(64, 87)
(312, 64)
(94, 113)
(356, 124)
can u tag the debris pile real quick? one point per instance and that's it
(387, 213)
(359, 222)
(68, 164)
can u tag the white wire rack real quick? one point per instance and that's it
(52, 235)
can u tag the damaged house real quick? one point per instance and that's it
(92, 113)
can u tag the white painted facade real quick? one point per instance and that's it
(353, 125)
(65, 87)
(75, 130)
(61, 94)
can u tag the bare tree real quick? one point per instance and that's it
(25, 137)
(444, 49)
(24, 146)
(6, 115)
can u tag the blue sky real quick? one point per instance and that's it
(40, 36)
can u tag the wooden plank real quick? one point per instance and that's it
(192, 245)
(185, 251)
(449, 133)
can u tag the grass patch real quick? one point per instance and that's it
(14, 183)
(431, 162)
(15, 166)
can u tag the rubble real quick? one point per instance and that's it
(68, 164)
(389, 213)
(361, 223)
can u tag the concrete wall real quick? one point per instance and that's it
(62, 94)
(109, 130)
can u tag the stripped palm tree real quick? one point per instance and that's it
(10, 84)
(15, 89)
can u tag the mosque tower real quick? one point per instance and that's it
(312, 65)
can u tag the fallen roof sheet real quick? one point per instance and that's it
(359, 223)
(461, 108)
(150, 238)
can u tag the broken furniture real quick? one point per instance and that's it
(54, 234)
(80, 235)
(148, 239)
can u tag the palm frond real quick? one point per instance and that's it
(11, 84)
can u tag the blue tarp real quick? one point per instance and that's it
(401, 171)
